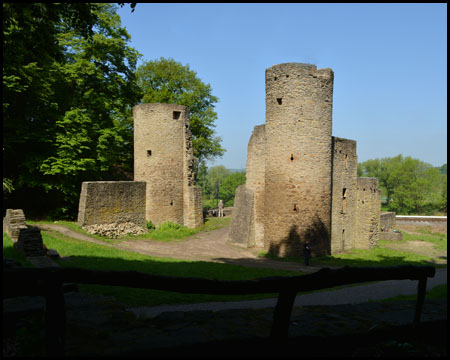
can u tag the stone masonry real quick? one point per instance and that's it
(164, 186)
(163, 158)
(14, 221)
(104, 202)
(303, 179)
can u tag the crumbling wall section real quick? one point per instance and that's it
(344, 196)
(242, 228)
(105, 202)
(13, 222)
(368, 210)
(255, 180)
(387, 221)
(297, 197)
(193, 209)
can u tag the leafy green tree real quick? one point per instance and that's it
(69, 86)
(167, 81)
(229, 186)
(412, 186)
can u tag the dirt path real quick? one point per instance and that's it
(213, 246)
(203, 246)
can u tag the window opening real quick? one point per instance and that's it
(279, 101)
(176, 115)
(149, 153)
(292, 157)
(344, 200)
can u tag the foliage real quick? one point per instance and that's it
(168, 81)
(150, 225)
(7, 186)
(411, 186)
(68, 90)
(229, 186)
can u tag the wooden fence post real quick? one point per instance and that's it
(421, 291)
(282, 315)
(55, 316)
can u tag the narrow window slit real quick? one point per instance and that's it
(295, 208)
(292, 157)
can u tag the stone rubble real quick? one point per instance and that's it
(115, 230)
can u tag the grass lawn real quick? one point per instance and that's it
(92, 256)
(77, 253)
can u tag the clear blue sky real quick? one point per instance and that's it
(389, 63)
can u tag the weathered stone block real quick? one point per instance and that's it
(105, 202)
(242, 230)
(14, 221)
(387, 221)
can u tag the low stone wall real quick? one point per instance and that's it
(13, 222)
(106, 202)
(390, 235)
(387, 221)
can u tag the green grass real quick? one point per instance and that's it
(94, 256)
(378, 256)
(438, 239)
(438, 292)
(10, 252)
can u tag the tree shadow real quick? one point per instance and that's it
(292, 246)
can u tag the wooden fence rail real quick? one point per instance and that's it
(48, 282)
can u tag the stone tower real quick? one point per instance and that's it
(297, 196)
(163, 158)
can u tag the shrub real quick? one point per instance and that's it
(150, 225)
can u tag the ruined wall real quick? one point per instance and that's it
(387, 221)
(297, 198)
(255, 181)
(163, 157)
(368, 209)
(192, 194)
(13, 222)
(242, 227)
(344, 196)
(105, 202)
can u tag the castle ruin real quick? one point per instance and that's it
(164, 187)
(301, 181)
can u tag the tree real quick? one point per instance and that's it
(229, 186)
(68, 91)
(412, 186)
(167, 81)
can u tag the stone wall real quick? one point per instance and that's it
(242, 228)
(255, 180)
(13, 222)
(345, 164)
(163, 157)
(297, 197)
(105, 202)
(368, 209)
(387, 221)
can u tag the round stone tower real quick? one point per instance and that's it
(297, 197)
(159, 152)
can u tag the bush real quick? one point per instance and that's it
(150, 226)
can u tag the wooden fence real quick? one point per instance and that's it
(48, 282)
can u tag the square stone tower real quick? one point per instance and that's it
(163, 158)
(297, 197)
